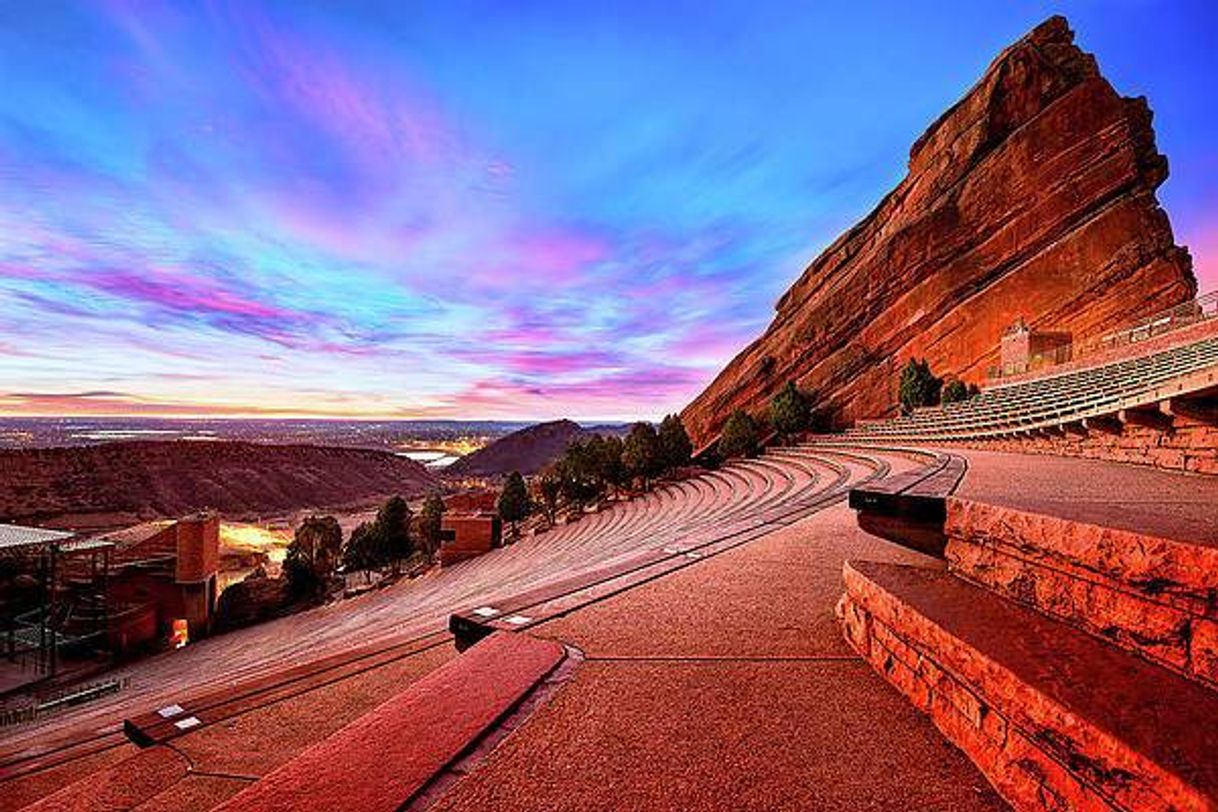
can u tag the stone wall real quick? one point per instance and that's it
(1188, 445)
(1152, 596)
(1010, 757)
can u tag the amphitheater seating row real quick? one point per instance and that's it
(1057, 400)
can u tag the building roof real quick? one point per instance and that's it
(14, 536)
(87, 545)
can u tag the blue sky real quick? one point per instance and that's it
(483, 210)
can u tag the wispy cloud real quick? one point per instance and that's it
(233, 208)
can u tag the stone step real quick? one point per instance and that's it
(384, 759)
(1146, 592)
(1054, 717)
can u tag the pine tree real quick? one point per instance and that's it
(514, 503)
(549, 488)
(790, 411)
(954, 391)
(740, 435)
(918, 386)
(312, 556)
(640, 452)
(675, 447)
(393, 532)
(431, 522)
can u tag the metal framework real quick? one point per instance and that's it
(65, 608)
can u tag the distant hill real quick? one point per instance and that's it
(527, 451)
(119, 482)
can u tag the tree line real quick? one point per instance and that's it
(395, 536)
(595, 467)
(919, 387)
(791, 411)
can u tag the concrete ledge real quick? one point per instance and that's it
(1152, 595)
(1055, 718)
(384, 758)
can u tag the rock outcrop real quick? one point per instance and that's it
(1032, 197)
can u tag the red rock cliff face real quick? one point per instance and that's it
(1032, 197)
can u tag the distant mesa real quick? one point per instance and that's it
(1031, 198)
(527, 450)
(118, 483)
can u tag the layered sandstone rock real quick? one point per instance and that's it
(1032, 197)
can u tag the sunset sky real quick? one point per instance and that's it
(478, 210)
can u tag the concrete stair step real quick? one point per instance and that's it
(1147, 591)
(384, 759)
(1054, 717)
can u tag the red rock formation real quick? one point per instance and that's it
(1033, 197)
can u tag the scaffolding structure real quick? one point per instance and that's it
(54, 599)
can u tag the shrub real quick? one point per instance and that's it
(740, 436)
(954, 391)
(919, 386)
(790, 411)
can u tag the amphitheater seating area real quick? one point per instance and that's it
(1056, 401)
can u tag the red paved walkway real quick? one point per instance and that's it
(1128, 497)
(728, 686)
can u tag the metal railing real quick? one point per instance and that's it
(1186, 314)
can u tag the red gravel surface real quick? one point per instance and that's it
(726, 686)
(1127, 497)
(379, 761)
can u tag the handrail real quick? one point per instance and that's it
(1183, 315)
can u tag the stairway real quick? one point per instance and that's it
(1076, 665)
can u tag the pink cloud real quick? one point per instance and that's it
(177, 292)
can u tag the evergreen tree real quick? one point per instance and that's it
(918, 386)
(640, 452)
(581, 480)
(549, 488)
(514, 503)
(312, 556)
(362, 549)
(954, 391)
(740, 435)
(393, 532)
(790, 411)
(431, 522)
(675, 447)
(611, 471)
